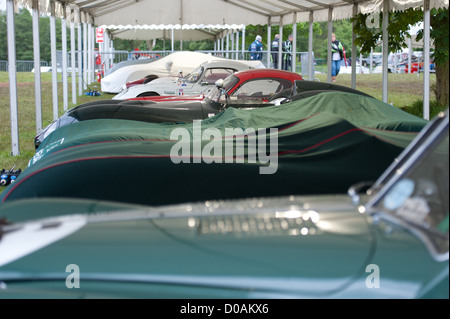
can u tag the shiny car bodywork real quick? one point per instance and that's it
(170, 65)
(199, 81)
(390, 241)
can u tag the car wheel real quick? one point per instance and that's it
(148, 94)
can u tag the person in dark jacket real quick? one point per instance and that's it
(287, 56)
(274, 47)
(256, 49)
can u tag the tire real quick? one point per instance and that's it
(148, 94)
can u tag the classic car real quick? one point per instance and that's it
(199, 81)
(243, 89)
(170, 65)
(391, 241)
(328, 141)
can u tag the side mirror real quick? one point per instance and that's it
(219, 83)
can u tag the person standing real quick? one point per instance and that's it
(287, 56)
(274, 47)
(337, 51)
(256, 49)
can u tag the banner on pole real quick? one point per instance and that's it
(99, 35)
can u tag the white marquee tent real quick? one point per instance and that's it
(188, 20)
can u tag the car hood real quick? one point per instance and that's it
(281, 247)
(289, 251)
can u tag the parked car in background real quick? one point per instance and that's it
(199, 81)
(377, 58)
(244, 89)
(170, 65)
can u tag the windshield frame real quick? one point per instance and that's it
(433, 135)
(214, 96)
(199, 69)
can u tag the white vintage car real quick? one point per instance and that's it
(199, 81)
(170, 65)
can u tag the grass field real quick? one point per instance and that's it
(405, 92)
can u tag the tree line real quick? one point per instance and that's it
(24, 38)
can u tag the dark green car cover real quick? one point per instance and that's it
(323, 144)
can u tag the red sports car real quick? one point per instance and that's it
(250, 85)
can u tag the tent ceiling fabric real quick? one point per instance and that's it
(138, 14)
(192, 32)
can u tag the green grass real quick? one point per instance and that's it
(405, 92)
(403, 89)
(26, 114)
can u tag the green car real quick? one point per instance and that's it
(388, 240)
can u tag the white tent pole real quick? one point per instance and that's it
(426, 59)
(37, 65)
(93, 52)
(89, 60)
(172, 40)
(54, 63)
(280, 55)
(72, 58)
(80, 73)
(294, 43)
(181, 23)
(228, 44)
(232, 43)
(243, 43)
(12, 78)
(353, 76)
(237, 45)
(371, 61)
(89, 55)
(269, 40)
(64, 63)
(409, 54)
(85, 55)
(105, 46)
(329, 40)
(385, 51)
(310, 47)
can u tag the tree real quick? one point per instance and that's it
(3, 37)
(400, 23)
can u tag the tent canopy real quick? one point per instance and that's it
(147, 19)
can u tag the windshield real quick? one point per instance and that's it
(216, 94)
(415, 189)
(194, 75)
